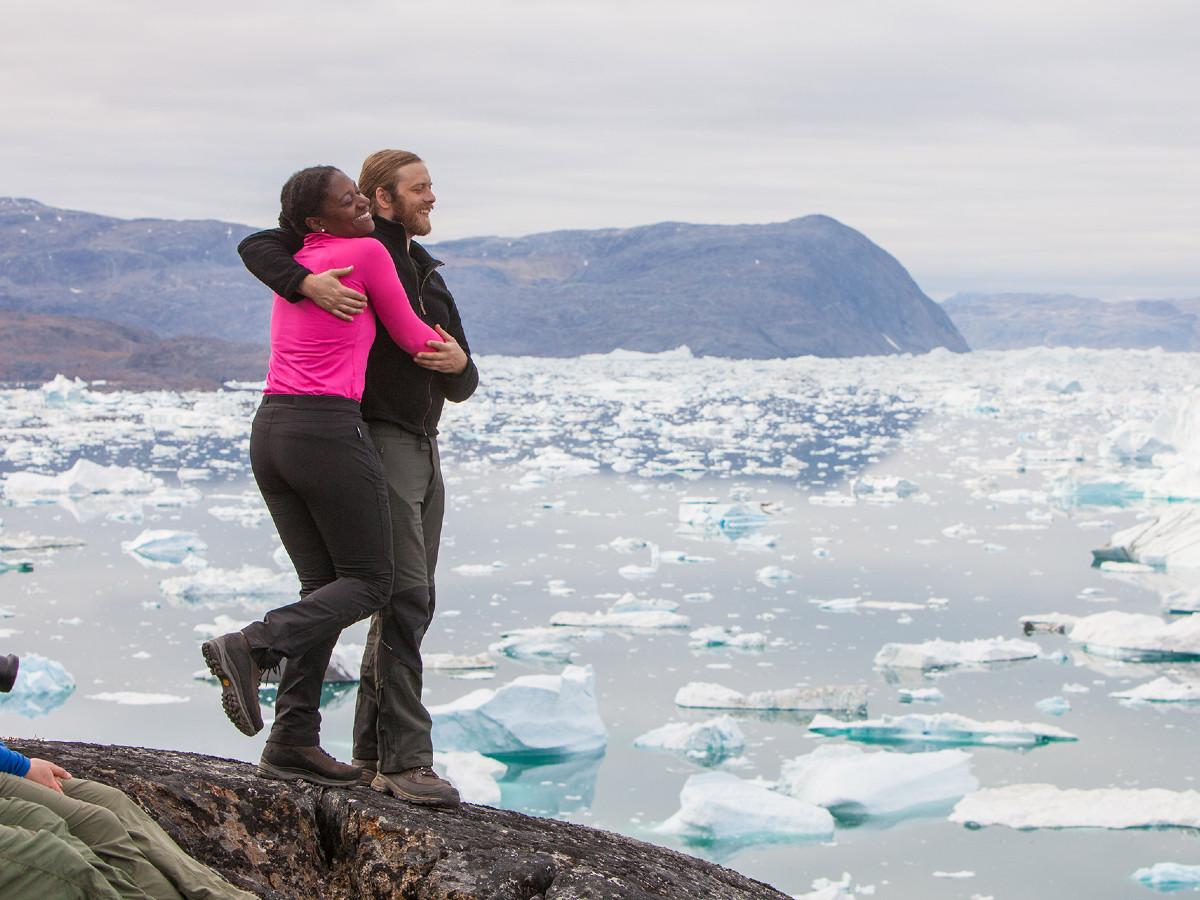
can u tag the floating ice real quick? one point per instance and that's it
(478, 570)
(882, 488)
(921, 695)
(1170, 541)
(250, 516)
(773, 576)
(452, 662)
(162, 547)
(827, 889)
(472, 773)
(718, 806)
(83, 478)
(707, 518)
(837, 697)
(1053, 706)
(542, 645)
(1162, 690)
(1168, 876)
(1046, 806)
(531, 716)
(1137, 636)
(628, 612)
(939, 654)
(942, 728)
(42, 685)
(228, 585)
(720, 636)
(706, 743)
(26, 541)
(136, 698)
(853, 784)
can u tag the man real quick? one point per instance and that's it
(402, 404)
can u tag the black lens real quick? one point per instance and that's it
(8, 672)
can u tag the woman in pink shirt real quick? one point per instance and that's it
(320, 476)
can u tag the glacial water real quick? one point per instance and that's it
(908, 499)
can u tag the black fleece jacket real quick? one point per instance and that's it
(397, 389)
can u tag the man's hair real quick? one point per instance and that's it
(302, 196)
(379, 171)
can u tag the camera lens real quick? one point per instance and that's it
(8, 672)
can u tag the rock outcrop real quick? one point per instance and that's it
(292, 840)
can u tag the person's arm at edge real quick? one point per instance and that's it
(270, 257)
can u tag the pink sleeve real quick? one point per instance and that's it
(389, 301)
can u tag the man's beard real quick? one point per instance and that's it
(414, 224)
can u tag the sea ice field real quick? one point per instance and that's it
(887, 627)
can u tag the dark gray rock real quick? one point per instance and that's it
(292, 840)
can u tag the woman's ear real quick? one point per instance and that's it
(312, 223)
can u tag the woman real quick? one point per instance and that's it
(320, 477)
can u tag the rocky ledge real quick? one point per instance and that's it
(293, 840)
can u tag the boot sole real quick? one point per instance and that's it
(218, 663)
(279, 773)
(387, 786)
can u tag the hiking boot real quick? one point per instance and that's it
(420, 785)
(370, 767)
(228, 658)
(289, 762)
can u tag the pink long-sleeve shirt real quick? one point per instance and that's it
(314, 352)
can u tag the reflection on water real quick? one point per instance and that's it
(551, 788)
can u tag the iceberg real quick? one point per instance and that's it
(1170, 541)
(853, 784)
(161, 547)
(773, 576)
(836, 697)
(628, 612)
(1046, 806)
(453, 662)
(717, 806)
(707, 743)
(709, 519)
(1162, 690)
(942, 728)
(531, 716)
(472, 773)
(720, 636)
(231, 585)
(82, 479)
(1168, 876)
(1137, 637)
(542, 645)
(42, 685)
(939, 654)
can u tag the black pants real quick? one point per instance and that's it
(323, 484)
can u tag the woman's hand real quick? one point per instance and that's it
(445, 356)
(47, 774)
(327, 291)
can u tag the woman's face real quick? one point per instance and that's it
(344, 212)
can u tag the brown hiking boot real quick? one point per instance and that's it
(228, 658)
(370, 767)
(291, 762)
(420, 785)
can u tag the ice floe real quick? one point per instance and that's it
(708, 518)
(42, 685)
(215, 585)
(1135, 637)
(137, 698)
(721, 636)
(472, 773)
(455, 662)
(717, 806)
(542, 645)
(941, 728)
(1169, 541)
(1047, 806)
(531, 716)
(1162, 690)
(854, 784)
(164, 548)
(939, 654)
(628, 612)
(1168, 876)
(706, 743)
(837, 697)
(84, 477)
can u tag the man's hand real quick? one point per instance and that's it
(46, 774)
(327, 291)
(445, 356)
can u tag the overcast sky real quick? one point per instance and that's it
(1023, 145)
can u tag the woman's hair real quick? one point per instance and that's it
(302, 196)
(379, 171)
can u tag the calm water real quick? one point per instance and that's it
(101, 613)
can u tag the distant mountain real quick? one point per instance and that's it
(1012, 321)
(810, 286)
(34, 347)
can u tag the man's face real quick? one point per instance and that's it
(412, 199)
